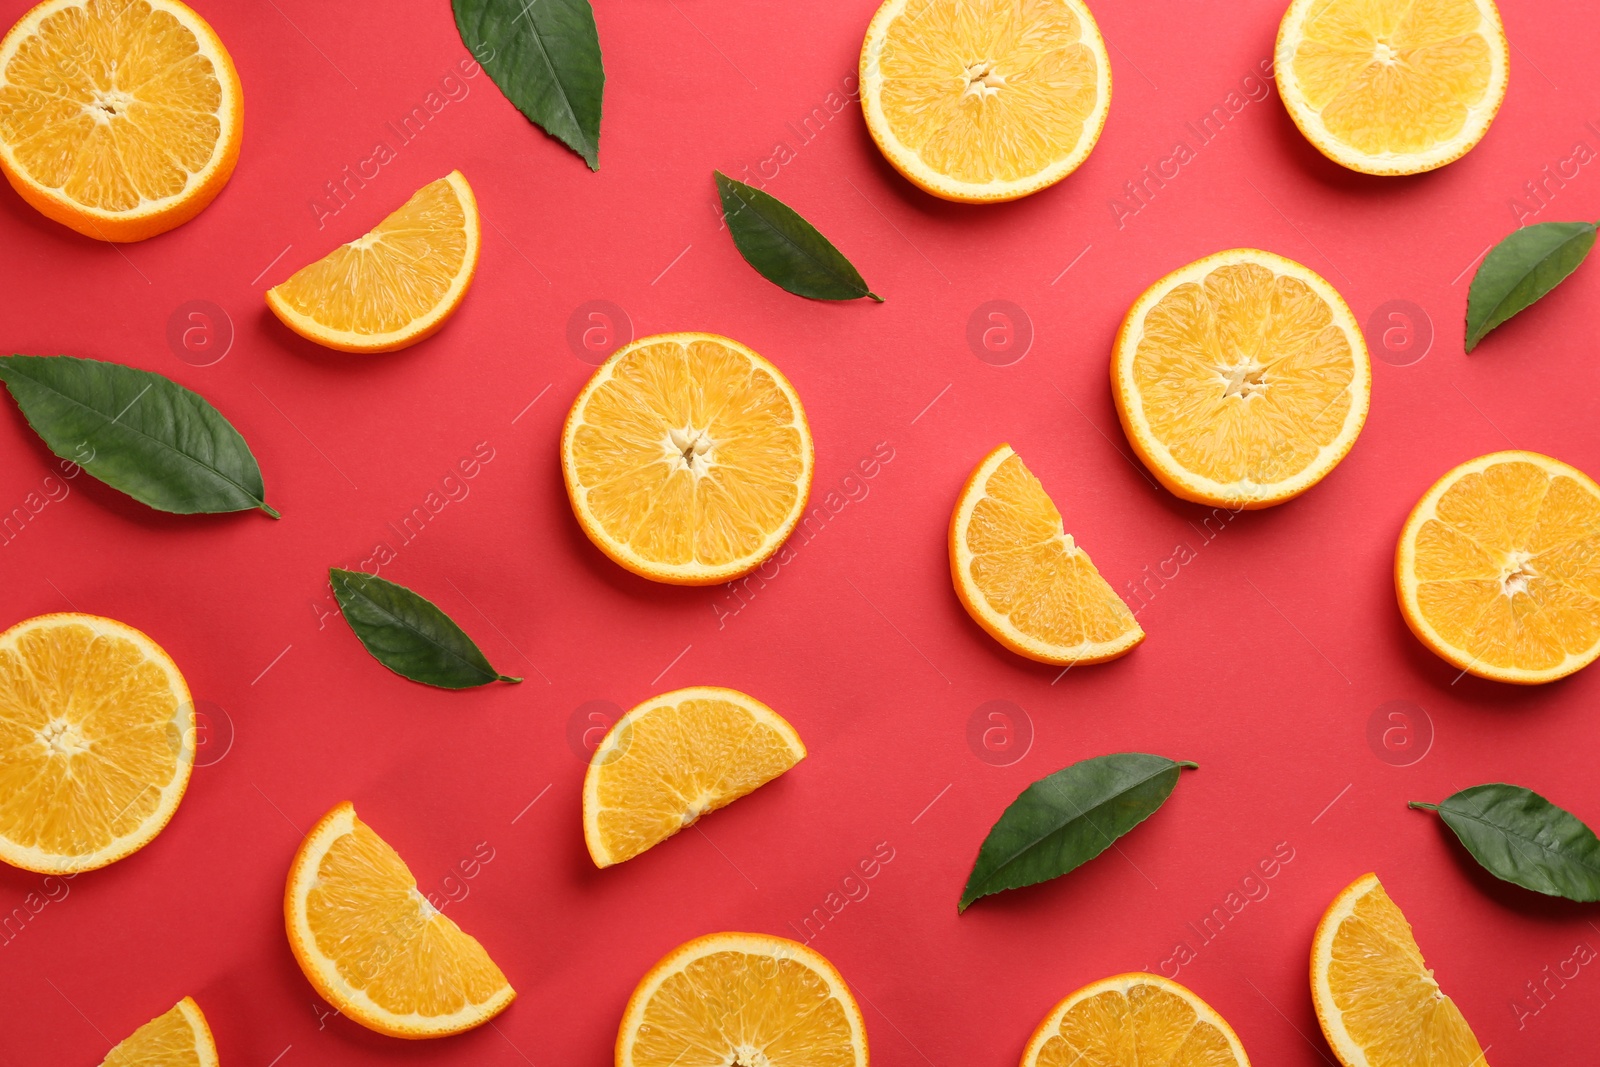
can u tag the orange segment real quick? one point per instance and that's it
(118, 118)
(1392, 86)
(393, 286)
(1241, 379)
(742, 999)
(985, 100)
(180, 1038)
(1021, 576)
(1134, 1020)
(687, 458)
(374, 947)
(1498, 568)
(674, 758)
(1375, 997)
(96, 742)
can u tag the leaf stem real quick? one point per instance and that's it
(1187, 764)
(1422, 805)
(269, 509)
(506, 678)
(875, 296)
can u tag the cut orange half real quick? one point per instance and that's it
(373, 946)
(985, 100)
(1021, 576)
(180, 1038)
(674, 758)
(1392, 86)
(1134, 1020)
(1241, 380)
(1375, 997)
(1498, 568)
(396, 284)
(118, 118)
(97, 737)
(742, 999)
(687, 458)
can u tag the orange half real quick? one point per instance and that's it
(1134, 1020)
(118, 118)
(985, 100)
(742, 999)
(1498, 568)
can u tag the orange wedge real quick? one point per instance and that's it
(687, 458)
(118, 118)
(1241, 380)
(1134, 1020)
(395, 285)
(97, 737)
(374, 947)
(674, 758)
(742, 999)
(1392, 86)
(1376, 999)
(180, 1038)
(1498, 568)
(985, 100)
(1021, 576)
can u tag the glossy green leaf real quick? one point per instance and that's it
(1066, 819)
(409, 634)
(1521, 269)
(1519, 836)
(786, 249)
(137, 431)
(545, 57)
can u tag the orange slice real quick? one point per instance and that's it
(1241, 380)
(374, 947)
(1498, 568)
(97, 738)
(1392, 86)
(674, 758)
(396, 284)
(1021, 576)
(118, 118)
(985, 100)
(742, 999)
(687, 458)
(1376, 998)
(1134, 1020)
(180, 1038)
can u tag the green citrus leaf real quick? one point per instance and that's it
(1519, 836)
(786, 249)
(545, 57)
(1066, 819)
(1521, 269)
(409, 634)
(137, 431)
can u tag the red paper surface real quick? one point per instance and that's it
(1268, 655)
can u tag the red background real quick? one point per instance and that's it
(1267, 655)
